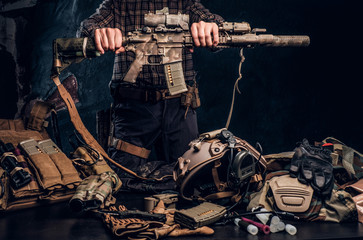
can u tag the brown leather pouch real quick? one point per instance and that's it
(290, 195)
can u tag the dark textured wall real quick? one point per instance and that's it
(287, 93)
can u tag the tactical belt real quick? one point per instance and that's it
(144, 95)
(129, 148)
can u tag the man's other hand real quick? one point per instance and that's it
(205, 34)
(109, 39)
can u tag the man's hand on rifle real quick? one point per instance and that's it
(204, 34)
(109, 39)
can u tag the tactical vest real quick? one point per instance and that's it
(31, 178)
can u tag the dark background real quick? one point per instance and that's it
(287, 93)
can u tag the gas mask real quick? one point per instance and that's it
(218, 165)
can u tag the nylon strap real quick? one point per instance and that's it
(86, 135)
(220, 186)
(219, 195)
(130, 148)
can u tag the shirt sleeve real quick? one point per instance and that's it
(103, 17)
(198, 12)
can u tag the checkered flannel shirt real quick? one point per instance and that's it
(128, 15)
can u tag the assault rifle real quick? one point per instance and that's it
(164, 36)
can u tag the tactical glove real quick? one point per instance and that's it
(313, 165)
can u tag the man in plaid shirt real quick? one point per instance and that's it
(148, 123)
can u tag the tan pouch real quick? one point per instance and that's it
(191, 97)
(290, 195)
(37, 116)
(46, 171)
(70, 177)
(90, 162)
(32, 188)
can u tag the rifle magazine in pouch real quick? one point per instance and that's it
(45, 170)
(68, 172)
(32, 188)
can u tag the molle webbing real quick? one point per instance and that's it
(64, 165)
(46, 171)
(37, 116)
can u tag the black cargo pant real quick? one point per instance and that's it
(160, 127)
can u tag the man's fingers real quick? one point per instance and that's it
(98, 41)
(104, 40)
(205, 34)
(215, 32)
(194, 31)
(208, 35)
(111, 38)
(201, 33)
(118, 41)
